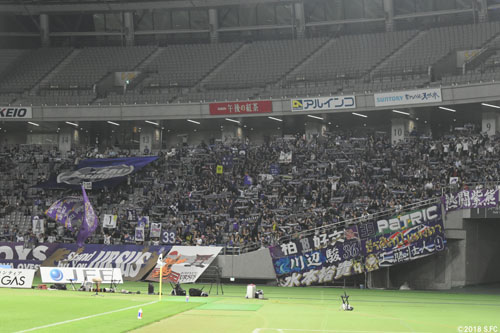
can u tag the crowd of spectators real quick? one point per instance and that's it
(282, 187)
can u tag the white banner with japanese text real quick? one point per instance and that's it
(421, 96)
(16, 278)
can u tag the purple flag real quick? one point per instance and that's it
(248, 180)
(67, 211)
(89, 222)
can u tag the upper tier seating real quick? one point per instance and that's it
(8, 57)
(93, 64)
(262, 63)
(237, 71)
(350, 56)
(185, 65)
(31, 68)
(430, 46)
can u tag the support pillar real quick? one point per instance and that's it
(389, 15)
(44, 30)
(489, 123)
(401, 129)
(230, 132)
(213, 22)
(300, 21)
(146, 140)
(314, 128)
(65, 140)
(128, 19)
(482, 10)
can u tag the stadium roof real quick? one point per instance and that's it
(55, 6)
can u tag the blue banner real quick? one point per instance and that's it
(403, 238)
(135, 261)
(318, 259)
(368, 246)
(100, 172)
(17, 256)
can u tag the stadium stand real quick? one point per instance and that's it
(350, 56)
(31, 68)
(240, 71)
(162, 96)
(186, 65)
(93, 64)
(7, 99)
(261, 63)
(9, 57)
(219, 95)
(482, 67)
(331, 179)
(58, 97)
(431, 45)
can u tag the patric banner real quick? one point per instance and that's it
(368, 246)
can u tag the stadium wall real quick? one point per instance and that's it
(14, 138)
(253, 265)
(470, 258)
(471, 93)
(483, 249)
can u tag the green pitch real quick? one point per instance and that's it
(283, 310)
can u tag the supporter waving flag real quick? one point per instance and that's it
(67, 211)
(247, 180)
(89, 222)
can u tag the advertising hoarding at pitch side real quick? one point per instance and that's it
(80, 275)
(16, 278)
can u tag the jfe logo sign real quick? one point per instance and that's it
(10, 112)
(79, 275)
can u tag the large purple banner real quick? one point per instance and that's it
(367, 246)
(468, 199)
(100, 172)
(17, 256)
(318, 259)
(135, 261)
(402, 238)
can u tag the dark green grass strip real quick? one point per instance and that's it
(230, 307)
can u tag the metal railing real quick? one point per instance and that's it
(354, 221)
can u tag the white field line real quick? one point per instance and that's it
(258, 330)
(86, 317)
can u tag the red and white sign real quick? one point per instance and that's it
(234, 108)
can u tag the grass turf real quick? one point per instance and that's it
(285, 309)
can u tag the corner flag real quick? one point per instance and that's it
(161, 264)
